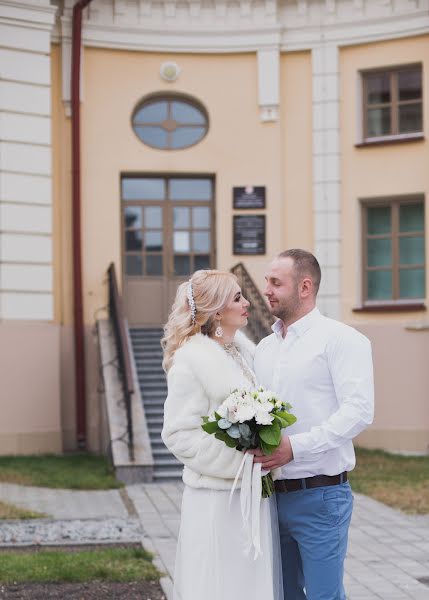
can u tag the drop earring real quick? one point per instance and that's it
(219, 331)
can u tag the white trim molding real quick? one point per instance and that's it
(268, 83)
(221, 26)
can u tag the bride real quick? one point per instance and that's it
(206, 358)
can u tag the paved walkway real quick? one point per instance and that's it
(388, 556)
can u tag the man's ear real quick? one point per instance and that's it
(306, 287)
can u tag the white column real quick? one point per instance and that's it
(26, 286)
(326, 175)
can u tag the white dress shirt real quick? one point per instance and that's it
(323, 368)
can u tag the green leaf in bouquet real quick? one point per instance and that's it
(268, 448)
(224, 437)
(245, 431)
(210, 426)
(224, 424)
(271, 434)
(233, 432)
(205, 419)
(217, 416)
(288, 417)
(281, 421)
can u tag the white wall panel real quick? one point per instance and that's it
(25, 128)
(21, 97)
(29, 219)
(32, 278)
(25, 248)
(25, 188)
(26, 306)
(25, 158)
(24, 38)
(25, 66)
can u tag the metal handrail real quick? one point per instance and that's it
(260, 318)
(116, 313)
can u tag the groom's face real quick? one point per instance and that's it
(281, 289)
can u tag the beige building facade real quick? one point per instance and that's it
(322, 104)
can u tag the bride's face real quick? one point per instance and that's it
(234, 315)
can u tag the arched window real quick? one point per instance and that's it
(170, 122)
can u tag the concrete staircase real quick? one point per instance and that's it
(153, 388)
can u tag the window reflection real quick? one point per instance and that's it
(133, 264)
(133, 217)
(190, 189)
(133, 240)
(143, 188)
(182, 265)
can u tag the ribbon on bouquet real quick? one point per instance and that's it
(250, 502)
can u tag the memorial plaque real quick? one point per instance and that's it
(248, 197)
(249, 234)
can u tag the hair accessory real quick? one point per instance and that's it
(191, 301)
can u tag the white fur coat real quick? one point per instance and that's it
(201, 377)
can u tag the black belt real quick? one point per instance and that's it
(293, 485)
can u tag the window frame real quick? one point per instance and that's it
(394, 203)
(394, 134)
(169, 98)
(167, 205)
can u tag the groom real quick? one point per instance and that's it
(324, 369)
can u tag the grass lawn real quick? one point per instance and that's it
(9, 511)
(70, 471)
(60, 566)
(398, 481)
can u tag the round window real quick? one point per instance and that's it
(170, 122)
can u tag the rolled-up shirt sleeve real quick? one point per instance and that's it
(349, 359)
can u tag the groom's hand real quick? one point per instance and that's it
(280, 457)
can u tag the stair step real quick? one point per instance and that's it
(152, 386)
(161, 392)
(154, 420)
(162, 453)
(167, 475)
(155, 430)
(167, 463)
(154, 411)
(151, 374)
(149, 363)
(146, 331)
(148, 404)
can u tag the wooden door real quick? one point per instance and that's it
(167, 234)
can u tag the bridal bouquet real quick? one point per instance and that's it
(250, 419)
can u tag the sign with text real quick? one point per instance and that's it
(249, 234)
(248, 197)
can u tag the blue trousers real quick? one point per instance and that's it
(314, 525)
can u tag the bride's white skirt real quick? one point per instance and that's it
(211, 563)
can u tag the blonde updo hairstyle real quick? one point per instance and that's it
(212, 291)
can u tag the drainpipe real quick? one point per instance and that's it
(79, 334)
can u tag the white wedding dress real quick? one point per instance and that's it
(211, 560)
(211, 563)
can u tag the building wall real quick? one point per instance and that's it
(233, 59)
(400, 353)
(29, 335)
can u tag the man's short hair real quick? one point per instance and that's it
(306, 265)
